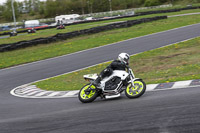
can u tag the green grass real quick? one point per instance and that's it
(52, 32)
(171, 63)
(41, 52)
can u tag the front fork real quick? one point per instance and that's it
(132, 76)
(132, 82)
(90, 89)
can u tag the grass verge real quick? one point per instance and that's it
(167, 64)
(41, 52)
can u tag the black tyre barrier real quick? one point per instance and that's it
(118, 17)
(8, 33)
(65, 36)
(22, 31)
(5, 33)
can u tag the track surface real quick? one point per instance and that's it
(3, 37)
(162, 111)
(156, 112)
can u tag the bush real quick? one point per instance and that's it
(163, 1)
(152, 3)
(32, 13)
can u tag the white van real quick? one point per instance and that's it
(65, 19)
(32, 23)
(89, 18)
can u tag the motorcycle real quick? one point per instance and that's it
(13, 33)
(60, 27)
(31, 31)
(112, 86)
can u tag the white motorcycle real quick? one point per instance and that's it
(112, 86)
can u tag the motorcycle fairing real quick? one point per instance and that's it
(91, 76)
(116, 73)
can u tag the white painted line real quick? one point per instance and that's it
(151, 87)
(180, 84)
(34, 92)
(187, 87)
(53, 94)
(26, 88)
(42, 93)
(180, 15)
(72, 93)
(23, 89)
(29, 91)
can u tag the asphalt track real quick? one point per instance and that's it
(161, 111)
(3, 37)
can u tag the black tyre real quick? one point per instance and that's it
(136, 91)
(87, 95)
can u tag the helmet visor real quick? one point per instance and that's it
(126, 60)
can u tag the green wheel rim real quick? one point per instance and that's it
(91, 94)
(137, 89)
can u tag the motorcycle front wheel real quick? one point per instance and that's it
(137, 90)
(88, 94)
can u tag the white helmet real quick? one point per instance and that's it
(124, 57)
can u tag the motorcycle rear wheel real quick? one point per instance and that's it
(137, 90)
(86, 96)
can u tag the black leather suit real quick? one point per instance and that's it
(115, 65)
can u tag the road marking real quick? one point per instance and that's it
(54, 94)
(72, 93)
(35, 92)
(180, 84)
(40, 94)
(180, 15)
(151, 87)
(28, 91)
(31, 91)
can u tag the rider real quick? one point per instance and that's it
(33, 30)
(120, 64)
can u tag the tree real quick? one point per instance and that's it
(1, 10)
(41, 8)
(83, 3)
(152, 3)
(101, 6)
(118, 4)
(50, 9)
(7, 13)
